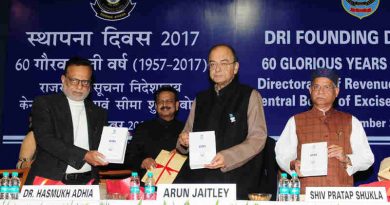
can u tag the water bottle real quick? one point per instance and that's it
(134, 186)
(150, 188)
(283, 188)
(14, 186)
(295, 187)
(4, 183)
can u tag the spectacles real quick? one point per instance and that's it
(162, 102)
(75, 81)
(223, 65)
(326, 88)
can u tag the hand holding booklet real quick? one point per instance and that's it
(113, 144)
(202, 148)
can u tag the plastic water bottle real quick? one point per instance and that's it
(14, 187)
(283, 188)
(4, 186)
(150, 188)
(134, 187)
(295, 187)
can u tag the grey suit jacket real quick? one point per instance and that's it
(53, 130)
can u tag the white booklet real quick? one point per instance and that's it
(314, 159)
(202, 148)
(113, 144)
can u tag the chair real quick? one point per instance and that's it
(108, 174)
(269, 171)
(22, 174)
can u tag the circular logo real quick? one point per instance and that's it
(113, 10)
(113, 1)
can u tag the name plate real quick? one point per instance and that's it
(196, 191)
(351, 194)
(58, 192)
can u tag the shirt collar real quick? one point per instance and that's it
(225, 89)
(163, 122)
(322, 113)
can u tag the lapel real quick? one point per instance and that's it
(65, 115)
(91, 123)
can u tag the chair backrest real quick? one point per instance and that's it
(108, 175)
(269, 173)
(114, 174)
(22, 174)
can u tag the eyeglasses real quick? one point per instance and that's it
(162, 102)
(326, 88)
(75, 81)
(223, 65)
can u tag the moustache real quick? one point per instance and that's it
(165, 108)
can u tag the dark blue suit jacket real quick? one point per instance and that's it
(53, 130)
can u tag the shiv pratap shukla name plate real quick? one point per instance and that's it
(60, 192)
(350, 194)
(202, 148)
(113, 144)
(314, 159)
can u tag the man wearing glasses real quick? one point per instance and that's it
(67, 128)
(348, 148)
(235, 112)
(152, 136)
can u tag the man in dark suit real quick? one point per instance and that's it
(152, 136)
(67, 129)
(235, 112)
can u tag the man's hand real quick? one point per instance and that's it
(148, 163)
(296, 166)
(217, 162)
(337, 152)
(95, 158)
(184, 139)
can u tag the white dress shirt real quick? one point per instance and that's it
(80, 132)
(361, 158)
